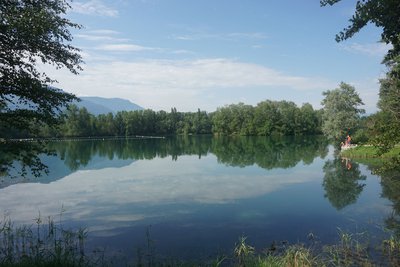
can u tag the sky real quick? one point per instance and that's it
(206, 54)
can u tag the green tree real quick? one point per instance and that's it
(33, 31)
(77, 122)
(288, 122)
(341, 112)
(389, 95)
(308, 120)
(388, 123)
(386, 15)
(265, 117)
(381, 13)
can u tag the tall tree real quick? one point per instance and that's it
(341, 112)
(33, 31)
(389, 94)
(386, 15)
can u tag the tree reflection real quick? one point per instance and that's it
(267, 153)
(79, 153)
(20, 158)
(342, 182)
(390, 181)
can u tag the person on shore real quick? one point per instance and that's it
(348, 140)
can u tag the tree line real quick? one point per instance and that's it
(280, 118)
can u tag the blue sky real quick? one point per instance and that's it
(209, 53)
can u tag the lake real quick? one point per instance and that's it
(193, 197)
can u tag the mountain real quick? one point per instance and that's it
(99, 105)
(95, 105)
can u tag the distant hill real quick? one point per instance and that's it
(99, 105)
(95, 105)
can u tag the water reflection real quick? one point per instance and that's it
(19, 159)
(389, 173)
(113, 183)
(213, 189)
(269, 153)
(28, 159)
(342, 182)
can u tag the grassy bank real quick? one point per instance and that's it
(370, 152)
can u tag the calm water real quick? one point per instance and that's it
(197, 195)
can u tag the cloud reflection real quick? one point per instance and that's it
(118, 197)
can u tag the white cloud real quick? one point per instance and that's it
(372, 49)
(201, 74)
(124, 48)
(368, 90)
(188, 84)
(247, 35)
(182, 52)
(99, 37)
(220, 36)
(104, 32)
(94, 7)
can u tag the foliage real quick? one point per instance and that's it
(80, 123)
(388, 121)
(33, 31)
(20, 158)
(382, 13)
(341, 112)
(383, 131)
(266, 119)
(389, 94)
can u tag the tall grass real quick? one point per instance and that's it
(43, 244)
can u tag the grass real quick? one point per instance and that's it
(350, 250)
(44, 244)
(370, 152)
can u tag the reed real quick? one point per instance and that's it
(43, 243)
